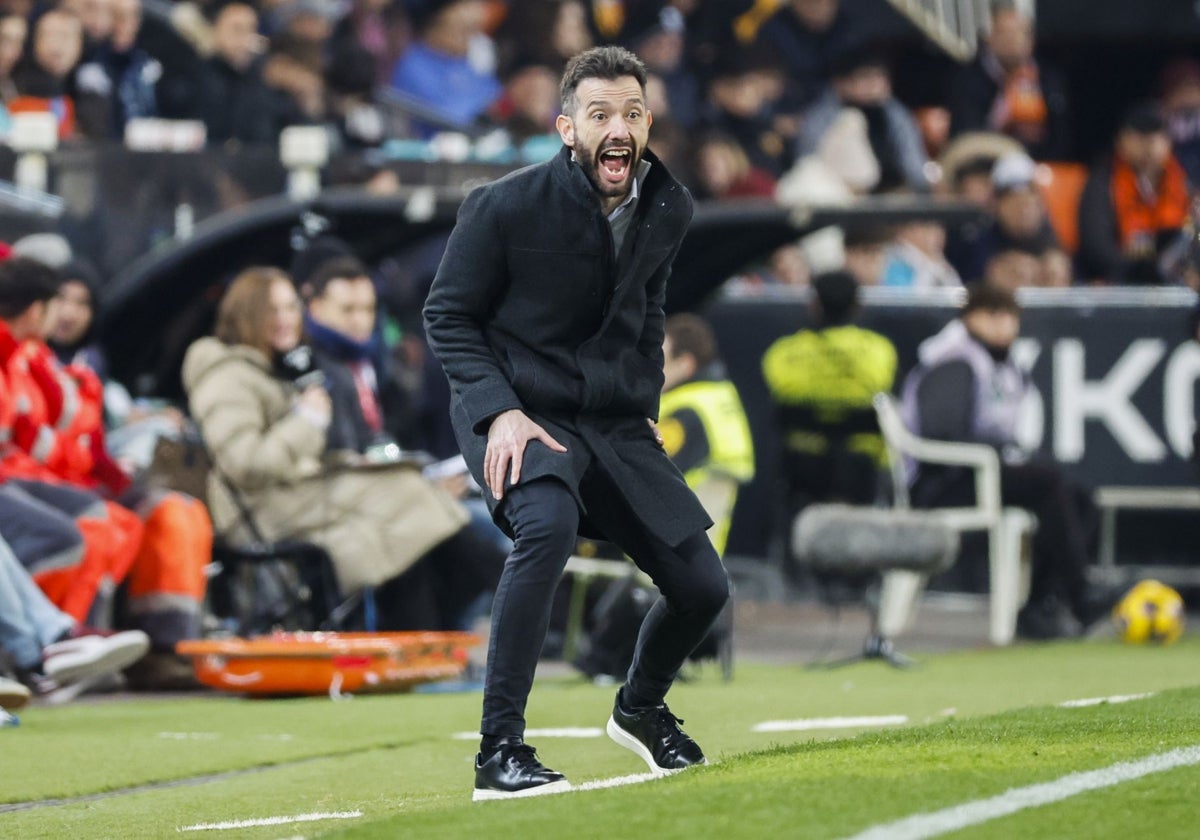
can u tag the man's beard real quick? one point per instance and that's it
(590, 162)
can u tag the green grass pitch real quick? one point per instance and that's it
(978, 724)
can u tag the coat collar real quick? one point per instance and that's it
(571, 176)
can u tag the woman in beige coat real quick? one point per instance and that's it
(266, 435)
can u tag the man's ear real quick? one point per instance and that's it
(566, 130)
(692, 366)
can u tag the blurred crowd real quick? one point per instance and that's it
(791, 100)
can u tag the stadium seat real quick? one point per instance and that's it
(1007, 528)
(1061, 187)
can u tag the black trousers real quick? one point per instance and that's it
(1061, 545)
(545, 520)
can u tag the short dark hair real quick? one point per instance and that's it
(1143, 118)
(599, 63)
(990, 298)
(24, 282)
(338, 268)
(837, 294)
(691, 334)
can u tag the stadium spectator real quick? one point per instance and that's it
(350, 84)
(821, 382)
(703, 424)
(529, 105)
(724, 171)
(810, 36)
(1134, 204)
(786, 266)
(132, 426)
(293, 70)
(866, 253)
(264, 413)
(662, 45)
(378, 27)
(121, 76)
(43, 77)
(230, 96)
(543, 32)
(371, 410)
(1180, 100)
(52, 653)
(449, 70)
(36, 505)
(1012, 269)
(916, 259)
(967, 387)
(96, 16)
(861, 81)
(738, 104)
(13, 29)
(1020, 221)
(165, 583)
(1008, 90)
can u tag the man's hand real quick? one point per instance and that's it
(508, 436)
(658, 438)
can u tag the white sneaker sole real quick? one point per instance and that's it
(121, 651)
(484, 795)
(624, 739)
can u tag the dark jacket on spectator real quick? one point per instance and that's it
(349, 428)
(969, 248)
(124, 85)
(808, 55)
(238, 106)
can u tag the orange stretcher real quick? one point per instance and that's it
(328, 663)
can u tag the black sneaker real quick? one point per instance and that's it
(513, 770)
(654, 735)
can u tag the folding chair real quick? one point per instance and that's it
(1007, 528)
(258, 585)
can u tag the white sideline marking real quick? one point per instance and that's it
(565, 732)
(189, 736)
(827, 723)
(299, 818)
(922, 826)
(1097, 701)
(617, 781)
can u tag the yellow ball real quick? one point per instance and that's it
(1149, 612)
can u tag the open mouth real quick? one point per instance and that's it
(614, 164)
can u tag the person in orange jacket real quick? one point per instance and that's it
(165, 587)
(34, 500)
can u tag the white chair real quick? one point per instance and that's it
(1006, 527)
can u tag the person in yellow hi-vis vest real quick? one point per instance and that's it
(703, 423)
(823, 381)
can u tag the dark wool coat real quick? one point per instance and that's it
(531, 309)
